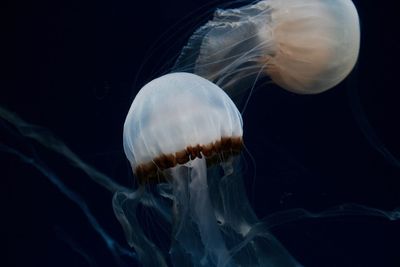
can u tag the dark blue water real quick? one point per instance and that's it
(75, 67)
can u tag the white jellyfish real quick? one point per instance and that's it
(304, 46)
(183, 135)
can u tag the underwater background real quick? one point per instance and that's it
(74, 68)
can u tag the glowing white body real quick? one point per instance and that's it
(175, 111)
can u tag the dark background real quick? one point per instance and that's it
(74, 68)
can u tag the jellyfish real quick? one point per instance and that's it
(303, 46)
(183, 134)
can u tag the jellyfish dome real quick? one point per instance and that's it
(304, 46)
(183, 137)
(177, 118)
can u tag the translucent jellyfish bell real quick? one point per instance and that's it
(182, 135)
(304, 46)
(177, 118)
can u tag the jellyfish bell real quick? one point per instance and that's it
(304, 46)
(177, 118)
(183, 134)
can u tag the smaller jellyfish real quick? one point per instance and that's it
(183, 135)
(304, 46)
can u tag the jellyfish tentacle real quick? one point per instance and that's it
(251, 236)
(116, 249)
(125, 204)
(48, 140)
